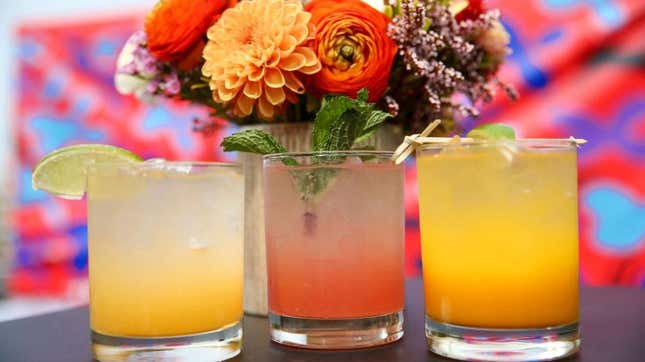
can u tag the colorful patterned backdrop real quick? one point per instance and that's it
(578, 64)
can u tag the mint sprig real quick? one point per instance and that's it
(253, 141)
(343, 122)
(256, 141)
(340, 123)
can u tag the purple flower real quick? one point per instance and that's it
(141, 74)
(145, 63)
(138, 38)
(126, 62)
(171, 84)
(135, 59)
(129, 68)
(445, 57)
(152, 87)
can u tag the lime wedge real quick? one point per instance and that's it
(63, 172)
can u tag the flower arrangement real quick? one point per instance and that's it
(257, 61)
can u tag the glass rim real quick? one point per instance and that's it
(280, 156)
(538, 144)
(168, 165)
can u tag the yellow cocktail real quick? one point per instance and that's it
(499, 229)
(165, 255)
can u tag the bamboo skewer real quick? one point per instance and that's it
(410, 143)
(408, 146)
(441, 140)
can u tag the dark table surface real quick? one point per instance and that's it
(613, 329)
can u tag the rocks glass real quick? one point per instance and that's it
(165, 260)
(499, 235)
(335, 249)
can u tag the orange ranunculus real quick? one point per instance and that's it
(175, 28)
(353, 47)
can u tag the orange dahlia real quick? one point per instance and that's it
(353, 46)
(256, 55)
(175, 28)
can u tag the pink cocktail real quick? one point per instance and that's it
(335, 249)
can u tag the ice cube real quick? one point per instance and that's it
(508, 152)
(183, 169)
(154, 167)
(159, 162)
(197, 244)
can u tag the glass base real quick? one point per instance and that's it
(479, 344)
(212, 346)
(336, 333)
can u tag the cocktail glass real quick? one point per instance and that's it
(335, 249)
(499, 234)
(165, 261)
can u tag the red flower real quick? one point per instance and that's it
(472, 11)
(353, 46)
(176, 28)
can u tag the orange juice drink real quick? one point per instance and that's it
(335, 249)
(165, 256)
(499, 230)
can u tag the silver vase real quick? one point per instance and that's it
(296, 137)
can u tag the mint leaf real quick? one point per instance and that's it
(253, 141)
(256, 141)
(342, 132)
(375, 120)
(342, 122)
(331, 110)
(310, 183)
(493, 131)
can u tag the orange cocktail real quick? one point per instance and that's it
(165, 260)
(335, 244)
(499, 230)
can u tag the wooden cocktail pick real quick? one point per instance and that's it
(410, 143)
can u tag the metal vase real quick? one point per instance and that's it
(296, 137)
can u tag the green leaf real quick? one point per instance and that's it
(389, 11)
(342, 122)
(362, 95)
(364, 148)
(256, 141)
(342, 132)
(253, 141)
(427, 23)
(375, 120)
(310, 183)
(366, 157)
(493, 131)
(331, 110)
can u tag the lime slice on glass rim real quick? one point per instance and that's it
(63, 171)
